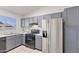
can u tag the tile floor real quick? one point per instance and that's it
(23, 49)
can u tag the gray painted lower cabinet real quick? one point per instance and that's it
(10, 42)
(38, 42)
(18, 40)
(2, 44)
(23, 39)
(13, 41)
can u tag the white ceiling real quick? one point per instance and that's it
(22, 10)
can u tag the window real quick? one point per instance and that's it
(7, 22)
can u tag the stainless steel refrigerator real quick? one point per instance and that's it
(53, 43)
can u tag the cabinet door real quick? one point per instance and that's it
(18, 39)
(26, 23)
(38, 42)
(23, 39)
(70, 41)
(2, 45)
(10, 42)
(23, 23)
(77, 42)
(34, 20)
(30, 20)
(40, 22)
(40, 18)
(72, 16)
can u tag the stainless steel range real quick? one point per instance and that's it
(30, 41)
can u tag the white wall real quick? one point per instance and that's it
(46, 10)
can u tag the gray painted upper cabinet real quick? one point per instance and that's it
(40, 22)
(22, 23)
(26, 23)
(72, 16)
(30, 21)
(40, 18)
(34, 20)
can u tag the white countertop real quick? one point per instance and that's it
(5, 35)
(38, 35)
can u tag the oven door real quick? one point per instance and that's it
(30, 41)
